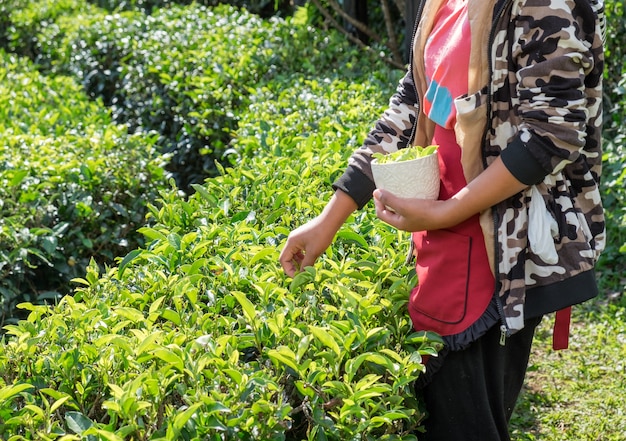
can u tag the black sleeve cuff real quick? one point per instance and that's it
(357, 185)
(524, 166)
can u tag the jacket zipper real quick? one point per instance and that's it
(418, 15)
(504, 328)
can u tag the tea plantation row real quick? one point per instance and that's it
(178, 80)
(198, 334)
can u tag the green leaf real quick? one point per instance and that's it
(325, 338)
(152, 234)
(248, 308)
(171, 315)
(58, 403)
(262, 254)
(181, 418)
(405, 154)
(389, 417)
(201, 190)
(132, 314)
(170, 357)
(18, 177)
(77, 422)
(284, 355)
(197, 266)
(381, 360)
(174, 240)
(351, 236)
(127, 260)
(302, 278)
(9, 392)
(36, 410)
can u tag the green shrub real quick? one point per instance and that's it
(612, 265)
(184, 72)
(73, 185)
(264, 8)
(199, 335)
(25, 20)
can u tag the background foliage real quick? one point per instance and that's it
(74, 185)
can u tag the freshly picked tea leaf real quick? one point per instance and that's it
(406, 154)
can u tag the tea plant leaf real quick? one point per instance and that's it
(152, 234)
(171, 315)
(58, 403)
(36, 410)
(284, 355)
(197, 266)
(181, 419)
(94, 434)
(248, 308)
(370, 393)
(18, 177)
(127, 260)
(325, 338)
(405, 154)
(389, 418)
(353, 365)
(381, 360)
(262, 254)
(303, 346)
(148, 343)
(202, 191)
(132, 314)
(170, 357)
(9, 392)
(302, 278)
(77, 422)
(174, 240)
(274, 215)
(234, 374)
(351, 236)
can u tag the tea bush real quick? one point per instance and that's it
(199, 335)
(264, 8)
(184, 72)
(612, 265)
(74, 185)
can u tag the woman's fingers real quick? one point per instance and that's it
(412, 214)
(291, 258)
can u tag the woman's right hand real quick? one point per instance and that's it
(307, 242)
(304, 245)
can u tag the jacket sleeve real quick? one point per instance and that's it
(394, 130)
(558, 61)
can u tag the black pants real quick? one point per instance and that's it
(472, 395)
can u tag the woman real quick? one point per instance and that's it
(511, 92)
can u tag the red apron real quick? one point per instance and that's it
(455, 283)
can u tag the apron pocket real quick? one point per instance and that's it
(442, 266)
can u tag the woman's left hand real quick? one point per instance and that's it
(413, 214)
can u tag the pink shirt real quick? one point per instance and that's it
(455, 281)
(447, 62)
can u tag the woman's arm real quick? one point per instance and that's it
(492, 186)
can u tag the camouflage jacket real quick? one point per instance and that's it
(535, 99)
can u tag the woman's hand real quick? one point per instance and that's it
(306, 243)
(413, 214)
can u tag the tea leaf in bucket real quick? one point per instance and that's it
(406, 154)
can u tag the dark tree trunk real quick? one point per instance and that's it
(356, 9)
(411, 7)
